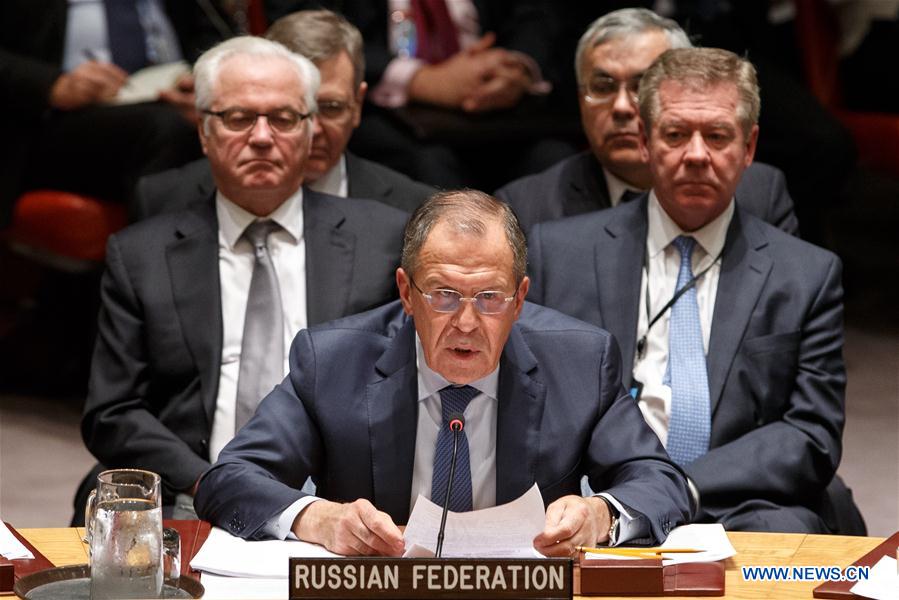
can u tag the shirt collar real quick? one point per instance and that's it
(430, 382)
(663, 230)
(617, 187)
(233, 219)
(334, 181)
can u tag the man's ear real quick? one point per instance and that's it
(201, 131)
(521, 294)
(751, 144)
(644, 143)
(405, 288)
(360, 98)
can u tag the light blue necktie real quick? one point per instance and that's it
(452, 400)
(690, 422)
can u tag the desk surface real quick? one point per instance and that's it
(63, 547)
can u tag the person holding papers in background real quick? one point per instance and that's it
(741, 374)
(365, 406)
(62, 62)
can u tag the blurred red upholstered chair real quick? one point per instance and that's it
(876, 134)
(64, 230)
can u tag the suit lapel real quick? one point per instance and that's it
(393, 414)
(329, 258)
(587, 186)
(744, 271)
(519, 414)
(193, 267)
(619, 254)
(362, 182)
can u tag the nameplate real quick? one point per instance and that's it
(444, 578)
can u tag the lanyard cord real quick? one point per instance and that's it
(641, 343)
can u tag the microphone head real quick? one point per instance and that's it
(456, 422)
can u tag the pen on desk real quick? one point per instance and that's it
(618, 551)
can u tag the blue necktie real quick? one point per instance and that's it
(452, 400)
(127, 42)
(690, 422)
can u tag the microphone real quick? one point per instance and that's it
(456, 425)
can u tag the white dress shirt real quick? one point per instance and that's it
(617, 187)
(334, 181)
(656, 289)
(480, 429)
(236, 259)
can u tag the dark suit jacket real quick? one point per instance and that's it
(577, 185)
(347, 415)
(775, 365)
(177, 188)
(155, 371)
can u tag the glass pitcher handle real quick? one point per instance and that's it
(89, 510)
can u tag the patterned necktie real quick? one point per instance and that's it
(262, 345)
(438, 37)
(452, 400)
(690, 422)
(127, 38)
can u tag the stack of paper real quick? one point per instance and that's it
(710, 539)
(225, 554)
(882, 582)
(10, 547)
(505, 531)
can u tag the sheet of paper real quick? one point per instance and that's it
(10, 547)
(240, 588)
(145, 85)
(225, 554)
(506, 531)
(882, 582)
(710, 538)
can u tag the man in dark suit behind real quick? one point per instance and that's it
(368, 399)
(180, 292)
(740, 374)
(335, 46)
(611, 56)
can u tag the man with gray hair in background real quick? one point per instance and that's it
(731, 331)
(334, 45)
(199, 306)
(611, 57)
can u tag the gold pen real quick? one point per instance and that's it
(638, 552)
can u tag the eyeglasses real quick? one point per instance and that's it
(282, 120)
(602, 89)
(333, 109)
(449, 301)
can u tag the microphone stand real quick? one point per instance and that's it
(455, 423)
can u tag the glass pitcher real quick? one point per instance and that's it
(124, 530)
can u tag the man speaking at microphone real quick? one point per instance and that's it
(364, 410)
